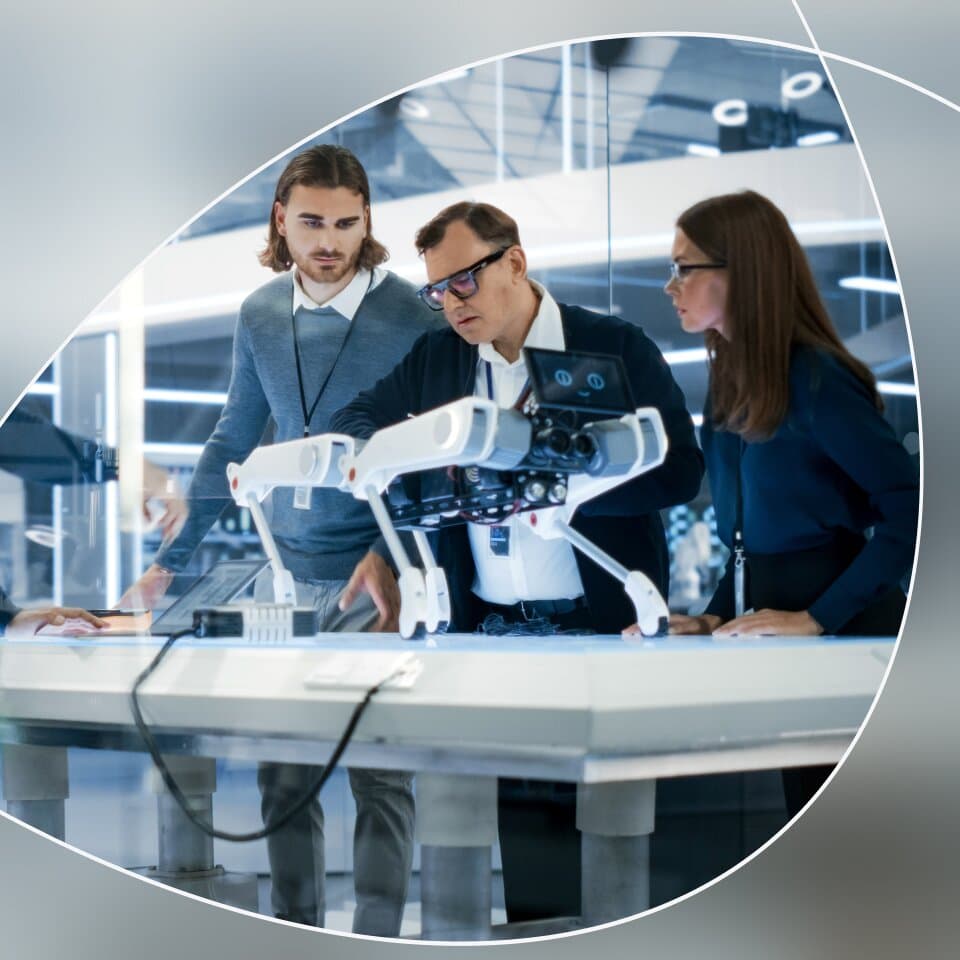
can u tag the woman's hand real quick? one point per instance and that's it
(68, 621)
(770, 623)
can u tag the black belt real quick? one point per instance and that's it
(532, 609)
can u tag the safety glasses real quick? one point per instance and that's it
(462, 284)
(680, 271)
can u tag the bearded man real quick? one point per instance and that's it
(304, 343)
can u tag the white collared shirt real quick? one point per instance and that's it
(535, 569)
(347, 301)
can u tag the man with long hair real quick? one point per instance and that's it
(304, 342)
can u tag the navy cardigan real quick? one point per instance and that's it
(441, 367)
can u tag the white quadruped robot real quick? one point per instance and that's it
(472, 461)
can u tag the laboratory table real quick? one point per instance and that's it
(613, 715)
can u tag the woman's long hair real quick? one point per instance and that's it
(772, 305)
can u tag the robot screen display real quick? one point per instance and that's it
(585, 382)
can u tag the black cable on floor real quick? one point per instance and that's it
(174, 787)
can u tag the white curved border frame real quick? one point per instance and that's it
(707, 938)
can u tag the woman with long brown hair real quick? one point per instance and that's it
(801, 462)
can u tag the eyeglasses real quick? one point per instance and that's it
(463, 284)
(680, 271)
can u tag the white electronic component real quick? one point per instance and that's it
(472, 431)
(634, 444)
(457, 434)
(257, 623)
(310, 462)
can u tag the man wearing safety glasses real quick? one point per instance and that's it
(477, 273)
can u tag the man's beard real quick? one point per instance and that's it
(328, 273)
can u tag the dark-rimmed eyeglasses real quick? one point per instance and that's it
(462, 284)
(680, 271)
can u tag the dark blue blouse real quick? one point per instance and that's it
(834, 466)
(8, 610)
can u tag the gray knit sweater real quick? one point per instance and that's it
(326, 541)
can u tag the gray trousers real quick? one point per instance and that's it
(383, 837)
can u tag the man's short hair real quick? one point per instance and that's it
(488, 222)
(330, 166)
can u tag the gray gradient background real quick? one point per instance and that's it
(118, 126)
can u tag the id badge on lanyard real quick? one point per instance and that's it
(739, 553)
(739, 570)
(499, 542)
(303, 495)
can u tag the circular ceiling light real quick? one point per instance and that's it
(414, 109)
(731, 113)
(801, 85)
(43, 535)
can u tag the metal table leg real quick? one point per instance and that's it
(616, 820)
(185, 853)
(35, 786)
(456, 827)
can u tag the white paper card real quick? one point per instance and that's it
(362, 669)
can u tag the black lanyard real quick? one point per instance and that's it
(739, 553)
(308, 414)
(524, 390)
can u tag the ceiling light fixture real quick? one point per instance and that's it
(693, 355)
(43, 388)
(173, 449)
(731, 113)
(163, 395)
(870, 284)
(818, 139)
(414, 109)
(43, 535)
(897, 389)
(703, 150)
(801, 85)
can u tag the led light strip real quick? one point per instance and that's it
(897, 389)
(164, 395)
(693, 355)
(176, 449)
(870, 284)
